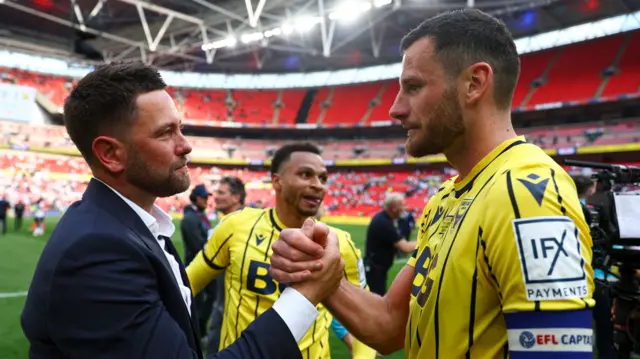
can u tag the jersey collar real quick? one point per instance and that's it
(275, 221)
(480, 166)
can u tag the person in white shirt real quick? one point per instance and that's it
(110, 283)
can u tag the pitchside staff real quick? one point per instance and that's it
(384, 238)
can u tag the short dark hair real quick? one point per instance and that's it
(283, 154)
(236, 187)
(583, 183)
(464, 37)
(104, 101)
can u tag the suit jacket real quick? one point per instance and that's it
(103, 288)
(194, 232)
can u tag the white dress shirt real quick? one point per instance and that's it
(160, 224)
(296, 311)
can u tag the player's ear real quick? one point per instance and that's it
(476, 81)
(275, 181)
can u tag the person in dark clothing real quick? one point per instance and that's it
(4, 206)
(18, 211)
(383, 239)
(195, 227)
(586, 187)
(229, 198)
(406, 223)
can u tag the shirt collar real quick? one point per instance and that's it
(275, 221)
(486, 161)
(158, 221)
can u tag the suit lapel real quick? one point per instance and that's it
(106, 199)
(185, 278)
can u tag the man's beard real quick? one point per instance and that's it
(294, 202)
(443, 126)
(153, 181)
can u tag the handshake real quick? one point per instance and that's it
(309, 260)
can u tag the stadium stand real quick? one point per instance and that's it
(625, 77)
(577, 135)
(60, 180)
(550, 76)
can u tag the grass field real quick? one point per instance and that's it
(20, 252)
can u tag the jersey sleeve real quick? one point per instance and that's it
(353, 263)
(536, 249)
(213, 259)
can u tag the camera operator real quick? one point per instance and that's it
(586, 188)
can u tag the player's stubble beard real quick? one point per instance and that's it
(154, 181)
(440, 128)
(294, 200)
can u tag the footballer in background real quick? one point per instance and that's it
(241, 246)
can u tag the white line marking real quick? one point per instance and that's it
(13, 294)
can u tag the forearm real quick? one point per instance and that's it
(405, 246)
(369, 317)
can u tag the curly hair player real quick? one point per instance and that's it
(241, 245)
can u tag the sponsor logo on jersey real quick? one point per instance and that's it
(462, 209)
(444, 226)
(550, 258)
(551, 339)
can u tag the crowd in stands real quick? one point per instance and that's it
(551, 76)
(60, 180)
(548, 76)
(23, 136)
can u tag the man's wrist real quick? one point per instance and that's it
(296, 311)
(308, 293)
(332, 298)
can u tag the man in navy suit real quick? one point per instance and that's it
(109, 283)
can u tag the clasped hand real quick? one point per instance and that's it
(309, 260)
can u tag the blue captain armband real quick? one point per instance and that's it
(550, 335)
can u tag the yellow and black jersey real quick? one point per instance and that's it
(503, 264)
(241, 246)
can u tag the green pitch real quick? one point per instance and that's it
(20, 253)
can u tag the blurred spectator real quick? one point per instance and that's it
(18, 211)
(4, 207)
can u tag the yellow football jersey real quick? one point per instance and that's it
(241, 246)
(508, 238)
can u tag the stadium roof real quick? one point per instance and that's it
(259, 35)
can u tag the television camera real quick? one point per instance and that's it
(615, 230)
